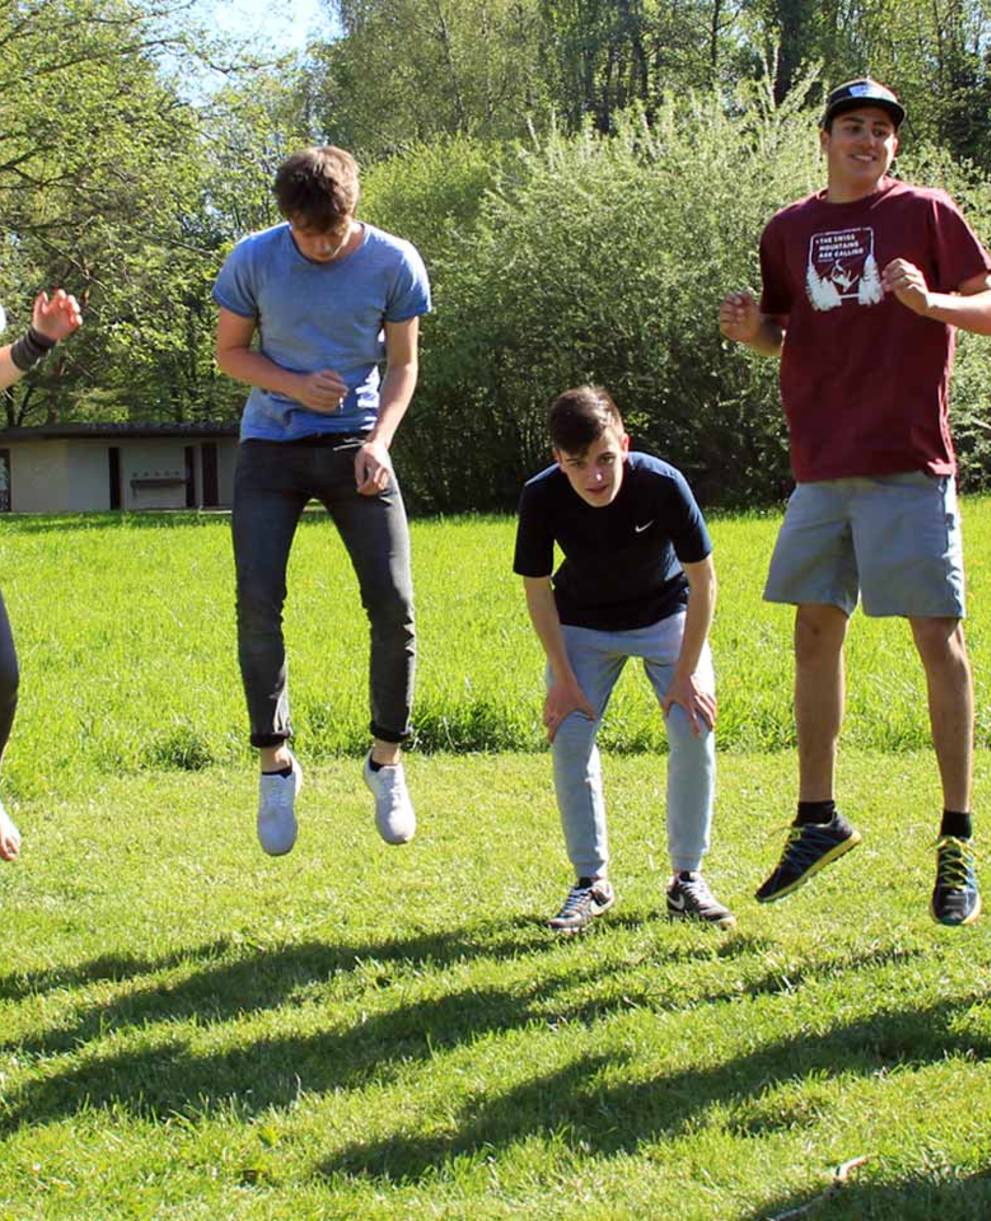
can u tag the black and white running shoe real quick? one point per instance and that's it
(588, 898)
(689, 898)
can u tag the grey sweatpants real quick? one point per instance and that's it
(598, 658)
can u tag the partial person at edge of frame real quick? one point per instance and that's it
(863, 285)
(332, 299)
(637, 580)
(52, 319)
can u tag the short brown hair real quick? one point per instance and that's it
(318, 186)
(578, 417)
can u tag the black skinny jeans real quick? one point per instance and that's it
(9, 678)
(273, 482)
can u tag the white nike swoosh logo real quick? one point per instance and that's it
(677, 902)
(640, 529)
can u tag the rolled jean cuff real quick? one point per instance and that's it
(390, 735)
(686, 864)
(263, 740)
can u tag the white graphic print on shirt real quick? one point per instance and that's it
(842, 268)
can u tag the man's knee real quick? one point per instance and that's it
(681, 735)
(819, 633)
(390, 611)
(575, 736)
(259, 602)
(940, 643)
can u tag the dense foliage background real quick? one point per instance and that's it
(585, 178)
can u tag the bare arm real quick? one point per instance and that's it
(684, 691)
(565, 695)
(9, 372)
(969, 308)
(372, 464)
(741, 320)
(322, 391)
(54, 318)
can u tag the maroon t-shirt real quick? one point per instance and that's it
(864, 380)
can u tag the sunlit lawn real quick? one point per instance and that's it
(190, 1029)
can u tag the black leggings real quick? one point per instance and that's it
(8, 678)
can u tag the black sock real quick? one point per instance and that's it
(376, 767)
(280, 771)
(956, 824)
(814, 812)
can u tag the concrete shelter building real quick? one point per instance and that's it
(79, 468)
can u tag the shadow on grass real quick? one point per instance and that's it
(169, 1077)
(300, 963)
(613, 1119)
(772, 983)
(269, 978)
(914, 1198)
(516, 937)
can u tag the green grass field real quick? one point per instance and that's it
(125, 628)
(190, 1029)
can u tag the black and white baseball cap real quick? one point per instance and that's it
(862, 92)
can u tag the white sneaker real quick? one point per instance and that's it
(276, 810)
(394, 815)
(10, 837)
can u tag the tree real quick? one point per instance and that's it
(408, 71)
(934, 53)
(101, 174)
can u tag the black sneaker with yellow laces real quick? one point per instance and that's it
(956, 899)
(808, 848)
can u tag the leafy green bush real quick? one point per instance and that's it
(432, 193)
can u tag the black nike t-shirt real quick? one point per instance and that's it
(622, 562)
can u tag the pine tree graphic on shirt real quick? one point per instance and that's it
(842, 267)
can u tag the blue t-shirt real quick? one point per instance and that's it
(622, 562)
(315, 316)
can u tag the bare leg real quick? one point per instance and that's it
(386, 753)
(820, 631)
(275, 758)
(943, 651)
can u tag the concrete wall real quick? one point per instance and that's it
(145, 468)
(72, 475)
(39, 477)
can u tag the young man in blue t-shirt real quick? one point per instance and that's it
(330, 299)
(637, 581)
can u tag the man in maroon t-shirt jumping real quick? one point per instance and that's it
(863, 285)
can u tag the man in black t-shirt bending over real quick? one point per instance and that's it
(637, 581)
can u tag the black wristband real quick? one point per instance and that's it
(30, 348)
